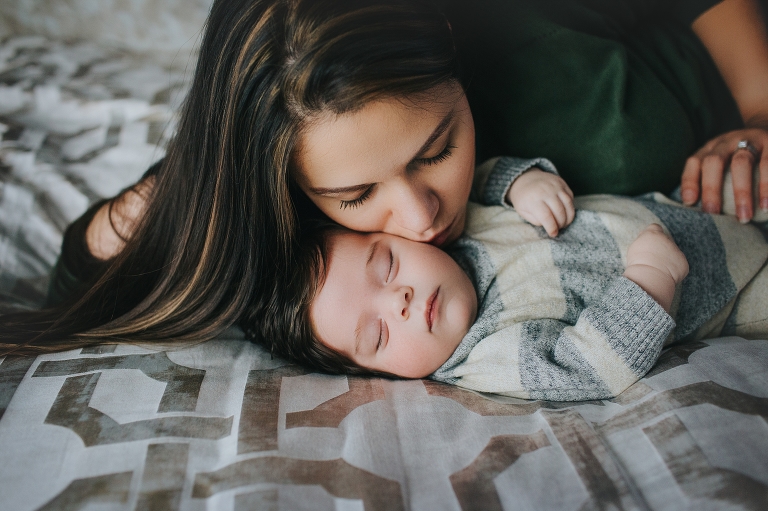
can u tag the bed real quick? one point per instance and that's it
(224, 426)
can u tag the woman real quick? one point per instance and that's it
(209, 238)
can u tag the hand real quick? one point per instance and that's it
(544, 199)
(656, 264)
(705, 169)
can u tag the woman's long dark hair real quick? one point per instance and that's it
(219, 241)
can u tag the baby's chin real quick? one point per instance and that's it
(424, 370)
(439, 361)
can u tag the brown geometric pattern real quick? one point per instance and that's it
(474, 484)
(242, 441)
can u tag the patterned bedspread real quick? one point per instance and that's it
(223, 426)
(78, 123)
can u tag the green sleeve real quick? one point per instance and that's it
(76, 266)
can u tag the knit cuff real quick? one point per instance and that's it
(504, 173)
(635, 324)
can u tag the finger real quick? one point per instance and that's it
(570, 210)
(549, 223)
(764, 181)
(712, 182)
(567, 190)
(689, 183)
(557, 208)
(741, 175)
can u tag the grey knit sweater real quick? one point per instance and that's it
(556, 318)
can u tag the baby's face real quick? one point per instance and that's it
(391, 304)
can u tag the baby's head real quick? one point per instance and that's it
(385, 304)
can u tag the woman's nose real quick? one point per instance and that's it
(415, 208)
(400, 301)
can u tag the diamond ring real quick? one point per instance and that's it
(744, 144)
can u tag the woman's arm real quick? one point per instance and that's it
(116, 220)
(94, 238)
(734, 33)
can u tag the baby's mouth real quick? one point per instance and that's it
(431, 309)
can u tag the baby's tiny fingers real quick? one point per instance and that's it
(568, 190)
(570, 210)
(557, 208)
(549, 223)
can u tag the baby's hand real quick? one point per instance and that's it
(543, 199)
(656, 264)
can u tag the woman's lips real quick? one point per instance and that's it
(439, 239)
(430, 312)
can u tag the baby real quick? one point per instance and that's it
(580, 315)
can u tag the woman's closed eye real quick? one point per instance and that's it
(434, 160)
(356, 203)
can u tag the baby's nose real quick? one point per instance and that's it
(401, 301)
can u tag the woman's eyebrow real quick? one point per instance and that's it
(439, 130)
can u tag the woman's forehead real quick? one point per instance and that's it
(366, 145)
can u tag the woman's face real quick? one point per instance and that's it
(400, 166)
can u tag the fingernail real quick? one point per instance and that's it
(709, 208)
(764, 204)
(689, 197)
(744, 213)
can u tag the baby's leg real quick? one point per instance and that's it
(749, 317)
(729, 204)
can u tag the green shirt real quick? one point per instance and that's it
(617, 93)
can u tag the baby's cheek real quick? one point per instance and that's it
(419, 362)
(434, 354)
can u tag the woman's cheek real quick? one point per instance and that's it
(364, 218)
